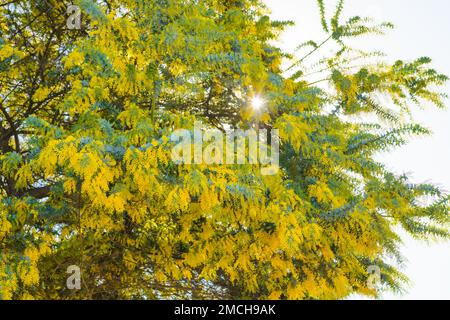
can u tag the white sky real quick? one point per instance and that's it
(422, 29)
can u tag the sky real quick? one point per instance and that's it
(421, 29)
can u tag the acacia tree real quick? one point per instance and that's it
(87, 178)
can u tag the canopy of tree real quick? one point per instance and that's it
(86, 176)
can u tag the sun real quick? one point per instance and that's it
(257, 102)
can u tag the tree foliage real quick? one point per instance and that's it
(87, 178)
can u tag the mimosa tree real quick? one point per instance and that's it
(87, 177)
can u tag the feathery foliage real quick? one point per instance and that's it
(87, 178)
